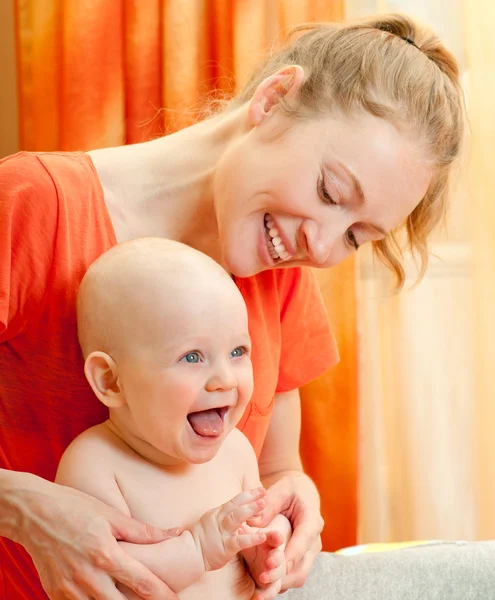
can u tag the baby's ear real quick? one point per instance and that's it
(101, 372)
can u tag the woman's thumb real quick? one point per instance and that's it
(272, 508)
(127, 529)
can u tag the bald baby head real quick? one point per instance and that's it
(148, 286)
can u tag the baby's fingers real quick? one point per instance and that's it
(241, 508)
(236, 543)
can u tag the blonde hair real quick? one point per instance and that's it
(397, 70)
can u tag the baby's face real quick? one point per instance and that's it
(188, 378)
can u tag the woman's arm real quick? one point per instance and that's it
(290, 491)
(71, 538)
(280, 452)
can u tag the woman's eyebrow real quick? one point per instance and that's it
(355, 181)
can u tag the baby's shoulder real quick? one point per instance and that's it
(97, 445)
(91, 464)
(237, 448)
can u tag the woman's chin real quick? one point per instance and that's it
(242, 268)
(247, 264)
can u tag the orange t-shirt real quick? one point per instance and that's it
(53, 225)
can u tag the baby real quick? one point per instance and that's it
(164, 333)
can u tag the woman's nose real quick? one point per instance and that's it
(321, 240)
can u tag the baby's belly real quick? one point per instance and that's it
(230, 583)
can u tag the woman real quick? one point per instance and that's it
(342, 138)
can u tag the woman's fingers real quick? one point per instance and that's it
(297, 573)
(127, 529)
(277, 499)
(270, 593)
(141, 580)
(103, 588)
(71, 538)
(305, 537)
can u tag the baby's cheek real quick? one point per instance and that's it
(246, 386)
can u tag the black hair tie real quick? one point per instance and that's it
(410, 41)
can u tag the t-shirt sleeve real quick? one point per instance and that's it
(28, 221)
(308, 345)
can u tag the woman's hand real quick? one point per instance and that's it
(295, 496)
(72, 539)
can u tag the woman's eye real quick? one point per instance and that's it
(238, 352)
(351, 238)
(191, 357)
(324, 193)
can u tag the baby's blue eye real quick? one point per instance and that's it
(237, 352)
(191, 357)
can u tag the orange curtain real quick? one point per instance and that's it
(107, 72)
(329, 441)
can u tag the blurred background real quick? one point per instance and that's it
(400, 437)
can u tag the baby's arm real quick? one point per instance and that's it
(265, 562)
(207, 545)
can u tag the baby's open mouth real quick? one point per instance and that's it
(275, 245)
(208, 423)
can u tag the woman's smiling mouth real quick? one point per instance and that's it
(274, 243)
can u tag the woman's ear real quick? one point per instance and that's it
(285, 83)
(101, 372)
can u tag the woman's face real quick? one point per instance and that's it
(311, 192)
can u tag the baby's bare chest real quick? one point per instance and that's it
(176, 499)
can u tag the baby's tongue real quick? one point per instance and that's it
(206, 422)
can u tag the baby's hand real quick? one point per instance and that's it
(266, 562)
(221, 533)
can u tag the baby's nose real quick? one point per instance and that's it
(222, 378)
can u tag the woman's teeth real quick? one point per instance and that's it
(275, 246)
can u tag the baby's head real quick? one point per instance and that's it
(164, 333)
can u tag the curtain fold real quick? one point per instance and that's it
(329, 440)
(479, 18)
(107, 72)
(425, 397)
(142, 68)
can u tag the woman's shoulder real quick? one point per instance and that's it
(41, 191)
(272, 278)
(27, 198)
(36, 163)
(40, 175)
(279, 285)
(20, 174)
(53, 224)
